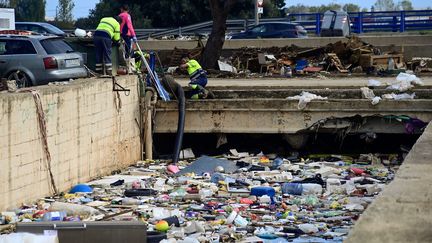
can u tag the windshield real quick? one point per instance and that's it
(56, 46)
(53, 29)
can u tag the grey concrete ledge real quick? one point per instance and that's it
(403, 212)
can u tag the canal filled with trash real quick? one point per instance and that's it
(234, 188)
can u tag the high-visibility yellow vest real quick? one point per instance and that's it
(193, 67)
(111, 26)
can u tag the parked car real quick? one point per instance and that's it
(273, 30)
(39, 27)
(38, 59)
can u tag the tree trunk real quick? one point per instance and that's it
(213, 48)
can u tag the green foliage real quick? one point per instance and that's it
(406, 5)
(300, 8)
(168, 13)
(274, 8)
(62, 24)
(29, 10)
(4, 3)
(323, 8)
(64, 12)
(385, 5)
(350, 7)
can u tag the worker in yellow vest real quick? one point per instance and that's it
(198, 77)
(107, 31)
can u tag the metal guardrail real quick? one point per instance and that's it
(361, 22)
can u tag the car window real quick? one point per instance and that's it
(37, 29)
(56, 46)
(13, 47)
(52, 29)
(21, 27)
(259, 29)
(2, 47)
(281, 26)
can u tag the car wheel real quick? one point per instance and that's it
(21, 78)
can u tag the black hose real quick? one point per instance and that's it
(171, 85)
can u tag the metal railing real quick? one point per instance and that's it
(361, 22)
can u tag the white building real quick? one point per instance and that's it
(7, 19)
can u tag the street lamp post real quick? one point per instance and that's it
(258, 10)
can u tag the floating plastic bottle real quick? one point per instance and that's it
(292, 188)
(54, 216)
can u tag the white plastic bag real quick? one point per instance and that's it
(411, 78)
(405, 81)
(367, 93)
(308, 228)
(304, 98)
(394, 96)
(376, 100)
(74, 209)
(404, 96)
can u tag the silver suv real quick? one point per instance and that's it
(38, 60)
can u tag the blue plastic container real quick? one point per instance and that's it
(263, 190)
(277, 163)
(83, 188)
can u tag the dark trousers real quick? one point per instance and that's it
(198, 85)
(128, 45)
(103, 53)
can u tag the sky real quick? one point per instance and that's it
(82, 7)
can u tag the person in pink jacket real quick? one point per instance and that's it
(127, 30)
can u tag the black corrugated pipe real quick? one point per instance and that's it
(176, 89)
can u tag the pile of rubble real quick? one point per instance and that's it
(237, 197)
(351, 56)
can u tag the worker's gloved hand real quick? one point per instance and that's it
(134, 39)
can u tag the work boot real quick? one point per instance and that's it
(206, 94)
(203, 94)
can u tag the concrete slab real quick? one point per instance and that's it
(403, 212)
(298, 82)
(382, 40)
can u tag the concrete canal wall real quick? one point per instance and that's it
(91, 131)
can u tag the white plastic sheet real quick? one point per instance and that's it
(28, 238)
(403, 96)
(304, 98)
(405, 81)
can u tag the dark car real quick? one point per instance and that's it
(39, 27)
(273, 30)
(38, 59)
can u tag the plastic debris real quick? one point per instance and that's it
(255, 198)
(304, 98)
(403, 96)
(405, 81)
